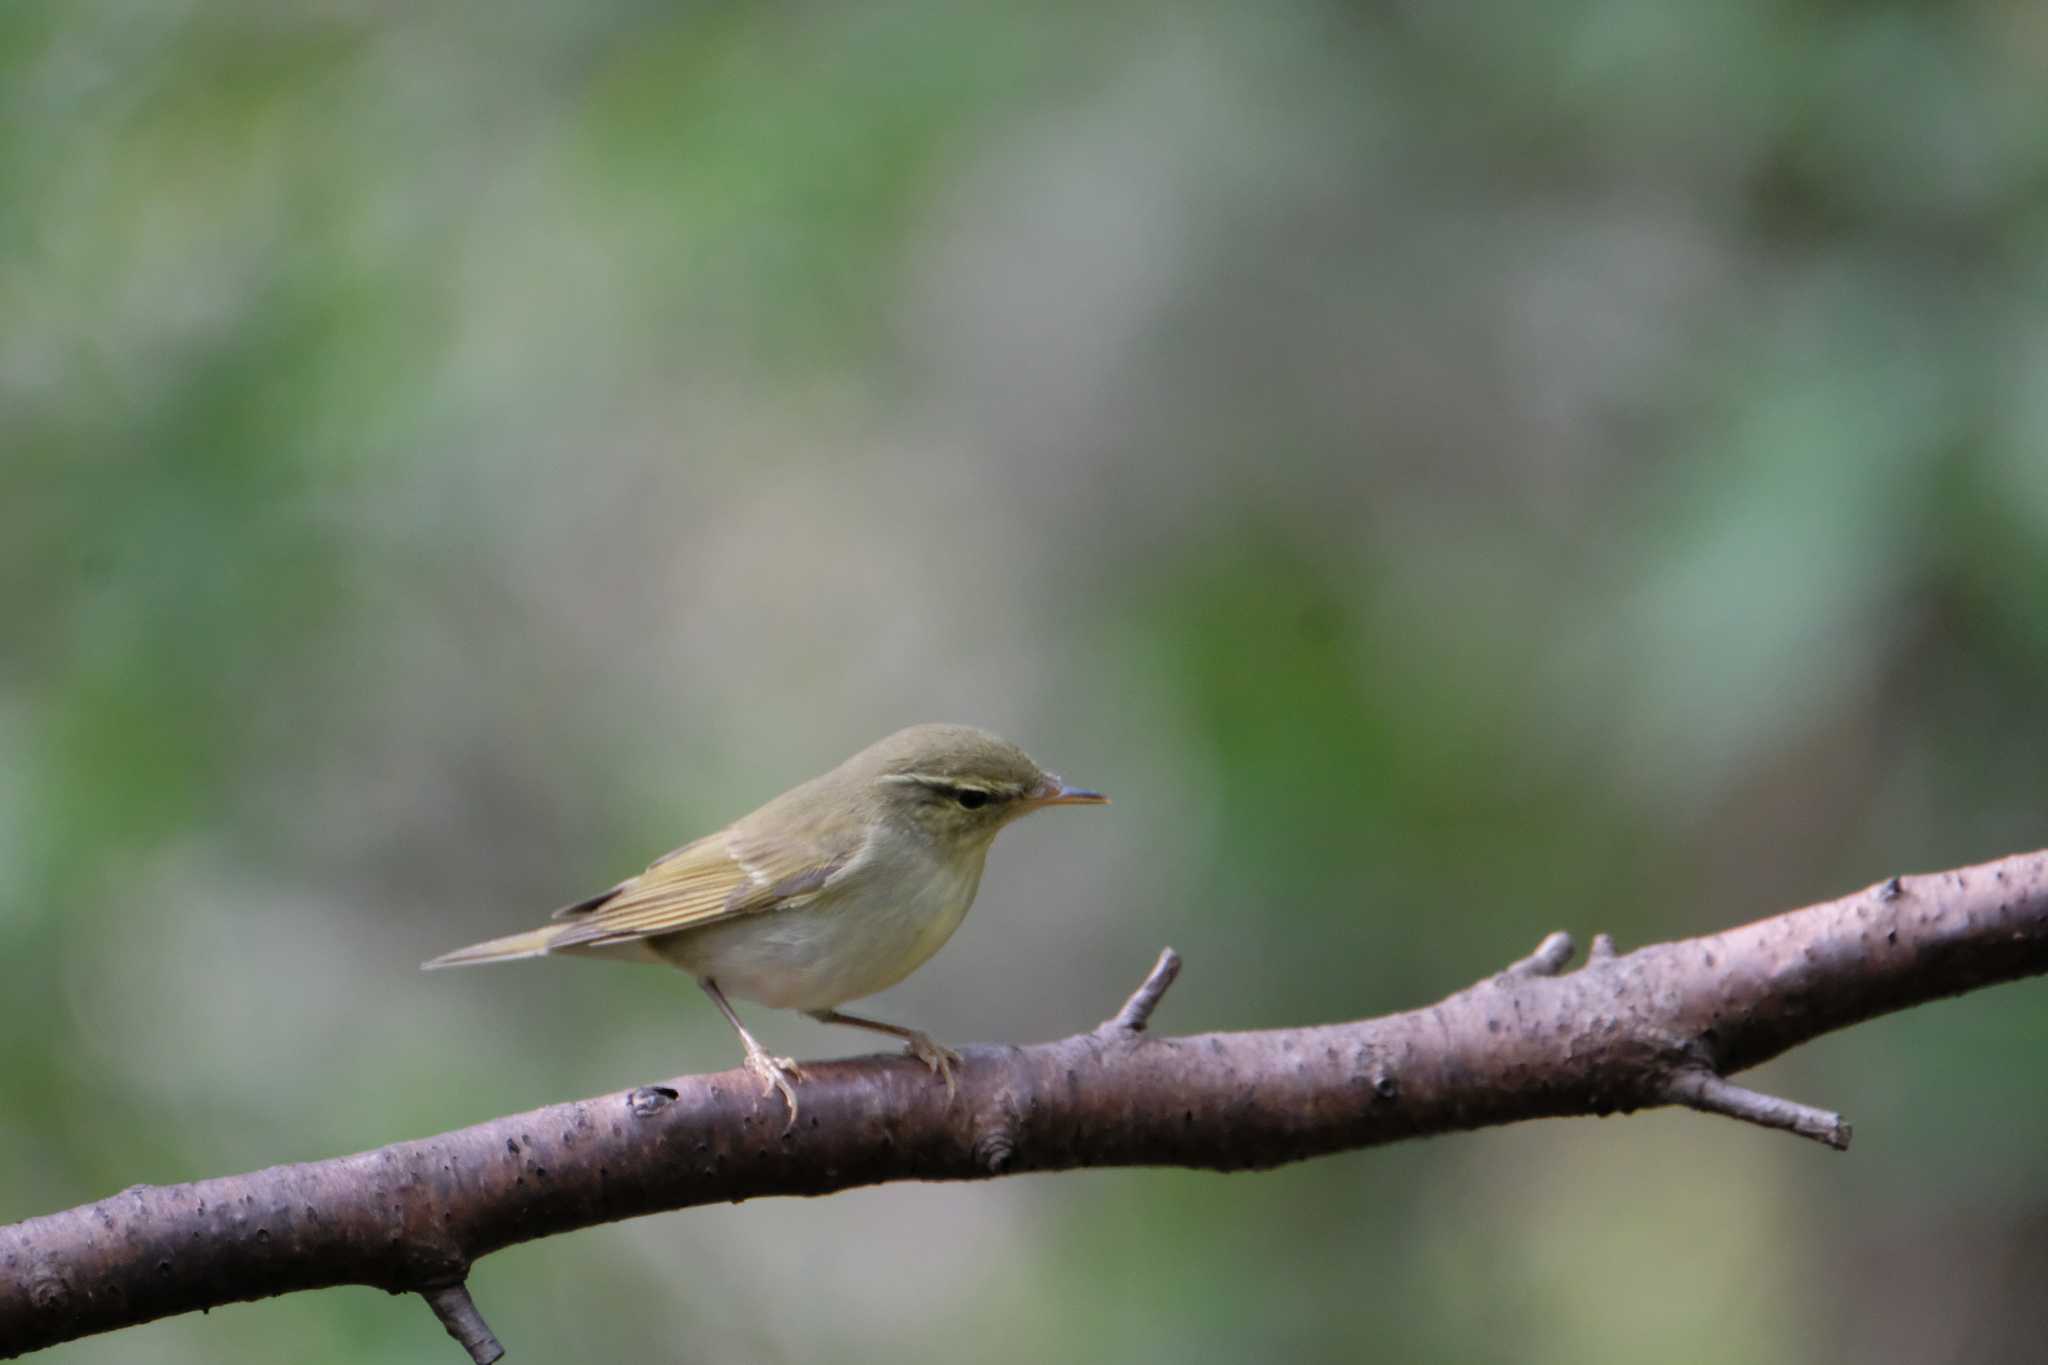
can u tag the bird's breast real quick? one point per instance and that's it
(864, 932)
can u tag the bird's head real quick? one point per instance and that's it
(961, 784)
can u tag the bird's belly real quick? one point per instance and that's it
(840, 947)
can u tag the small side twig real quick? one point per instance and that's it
(457, 1311)
(1712, 1094)
(1549, 959)
(1137, 1011)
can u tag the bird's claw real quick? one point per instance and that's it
(777, 1073)
(940, 1058)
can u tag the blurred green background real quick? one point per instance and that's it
(1453, 472)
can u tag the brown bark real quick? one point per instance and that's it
(1663, 1025)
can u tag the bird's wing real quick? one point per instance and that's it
(734, 872)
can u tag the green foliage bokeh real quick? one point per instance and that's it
(1452, 473)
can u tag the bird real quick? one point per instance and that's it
(838, 888)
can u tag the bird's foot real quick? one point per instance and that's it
(940, 1058)
(776, 1073)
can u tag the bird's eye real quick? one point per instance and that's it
(970, 798)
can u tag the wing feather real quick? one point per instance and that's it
(718, 877)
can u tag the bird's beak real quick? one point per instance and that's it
(1055, 791)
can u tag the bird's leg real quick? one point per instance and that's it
(940, 1058)
(776, 1073)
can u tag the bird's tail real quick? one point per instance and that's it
(533, 943)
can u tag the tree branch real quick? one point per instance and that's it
(1662, 1025)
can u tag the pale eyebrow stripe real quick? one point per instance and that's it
(1005, 790)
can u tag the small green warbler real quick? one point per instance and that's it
(834, 890)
